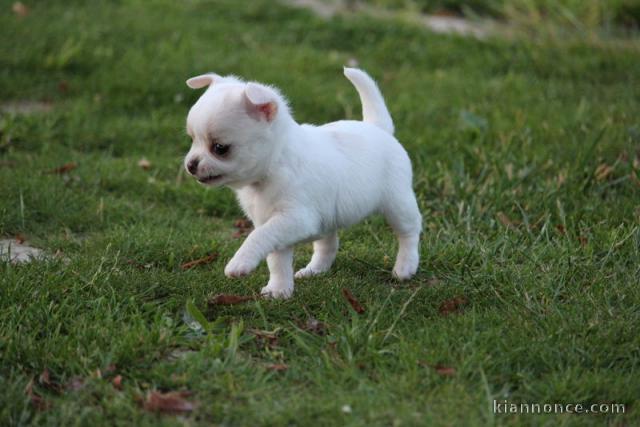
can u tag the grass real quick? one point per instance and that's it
(526, 159)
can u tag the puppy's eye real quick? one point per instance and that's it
(220, 149)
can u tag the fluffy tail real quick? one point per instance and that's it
(374, 109)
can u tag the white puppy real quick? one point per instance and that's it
(301, 183)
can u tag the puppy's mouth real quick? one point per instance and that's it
(209, 179)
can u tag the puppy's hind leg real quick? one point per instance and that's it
(403, 215)
(324, 253)
(280, 274)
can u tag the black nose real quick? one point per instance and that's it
(192, 166)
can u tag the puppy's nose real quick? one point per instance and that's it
(192, 166)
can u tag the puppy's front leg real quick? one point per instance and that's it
(280, 274)
(277, 234)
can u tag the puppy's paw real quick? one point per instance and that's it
(239, 266)
(308, 272)
(277, 290)
(405, 270)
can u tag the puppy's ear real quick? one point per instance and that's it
(261, 102)
(201, 81)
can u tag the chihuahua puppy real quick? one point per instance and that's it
(299, 182)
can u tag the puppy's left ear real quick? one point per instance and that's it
(261, 102)
(201, 81)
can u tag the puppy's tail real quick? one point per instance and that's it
(374, 109)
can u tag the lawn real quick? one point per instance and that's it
(526, 159)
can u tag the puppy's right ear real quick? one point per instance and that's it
(201, 81)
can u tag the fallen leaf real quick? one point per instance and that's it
(506, 221)
(36, 400)
(453, 305)
(445, 371)
(561, 229)
(171, 403)
(583, 240)
(242, 223)
(20, 9)
(603, 171)
(278, 367)
(117, 382)
(224, 299)
(144, 164)
(67, 167)
(205, 260)
(244, 227)
(353, 301)
(20, 238)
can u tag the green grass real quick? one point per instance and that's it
(505, 137)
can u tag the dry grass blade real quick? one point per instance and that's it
(453, 305)
(278, 367)
(201, 261)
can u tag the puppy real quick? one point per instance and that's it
(299, 182)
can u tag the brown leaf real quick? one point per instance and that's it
(117, 382)
(36, 400)
(224, 299)
(583, 241)
(278, 367)
(144, 164)
(201, 261)
(353, 301)
(173, 402)
(67, 167)
(561, 229)
(445, 371)
(20, 238)
(603, 171)
(506, 221)
(453, 305)
(242, 223)
(244, 227)
(20, 9)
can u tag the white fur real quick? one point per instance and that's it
(302, 183)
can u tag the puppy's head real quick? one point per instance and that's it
(234, 130)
